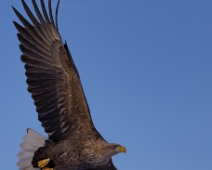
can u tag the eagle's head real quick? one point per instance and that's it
(113, 149)
(100, 153)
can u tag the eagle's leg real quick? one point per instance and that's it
(43, 164)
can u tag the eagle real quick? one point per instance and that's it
(73, 142)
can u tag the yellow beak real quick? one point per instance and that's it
(123, 149)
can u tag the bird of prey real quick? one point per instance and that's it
(73, 142)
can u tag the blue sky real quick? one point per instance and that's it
(146, 70)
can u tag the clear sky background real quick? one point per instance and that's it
(146, 68)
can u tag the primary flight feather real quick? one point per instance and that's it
(73, 142)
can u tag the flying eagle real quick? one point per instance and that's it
(73, 142)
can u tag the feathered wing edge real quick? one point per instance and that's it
(41, 46)
(52, 76)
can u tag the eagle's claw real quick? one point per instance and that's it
(43, 163)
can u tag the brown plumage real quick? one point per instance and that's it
(53, 80)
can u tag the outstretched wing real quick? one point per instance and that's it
(52, 77)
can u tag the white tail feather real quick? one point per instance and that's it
(25, 155)
(32, 141)
(24, 146)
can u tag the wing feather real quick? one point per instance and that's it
(29, 13)
(40, 49)
(38, 12)
(52, 76)
(25, 34)
(44, 11)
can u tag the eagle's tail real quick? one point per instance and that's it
(32, 141)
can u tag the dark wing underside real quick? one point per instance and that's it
(52, 77)
(109, 166)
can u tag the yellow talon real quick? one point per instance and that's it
(43, 163)
(46, 168)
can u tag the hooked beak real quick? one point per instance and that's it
(122, 149)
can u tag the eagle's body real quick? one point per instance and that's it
(79, 155)
(73, 142)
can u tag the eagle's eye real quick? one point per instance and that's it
(117, 146)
